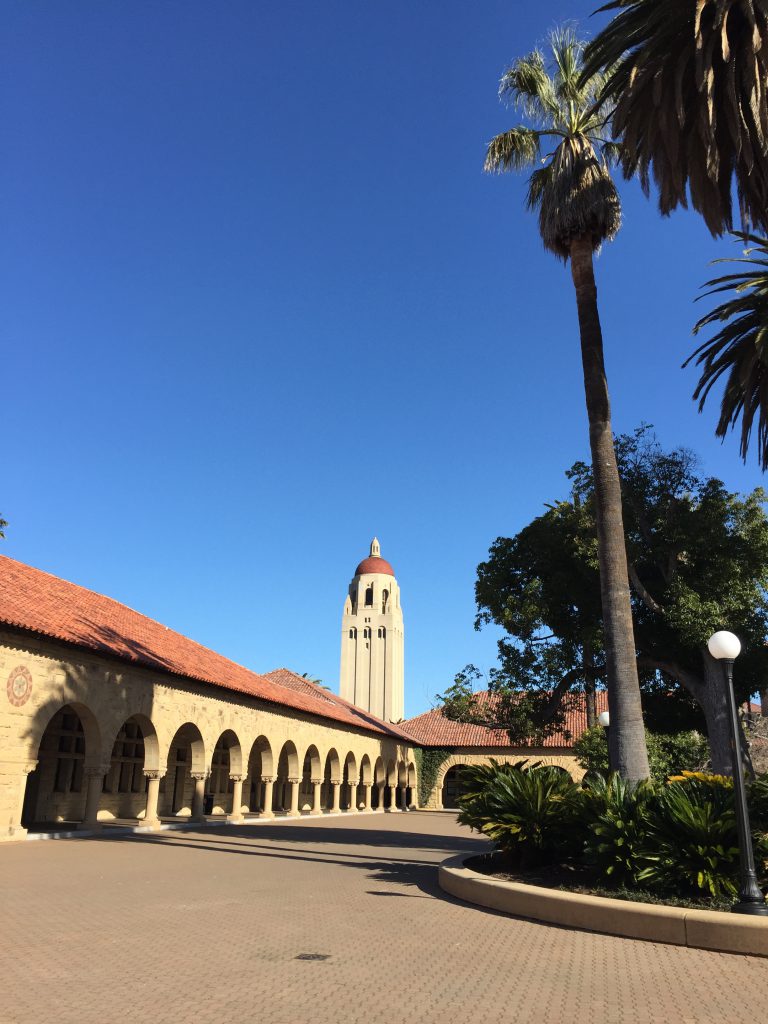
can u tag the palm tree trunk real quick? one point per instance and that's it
(589, 684)
(627, 734)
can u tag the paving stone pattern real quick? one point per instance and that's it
(319, 922)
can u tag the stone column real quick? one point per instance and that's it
(392, 799)
(403, 798)
(269, 783)
(198, 799)
(380, 808)
(95, 783)
(316, 799)
(294, 784)
(367, 795)
(151, 820)
(13, 789)
(335, 789)
(236, 813)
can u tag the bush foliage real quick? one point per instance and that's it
(667, 753)
(678, 836)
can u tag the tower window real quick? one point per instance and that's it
(384, 600)
(369, 596)
(351, 634)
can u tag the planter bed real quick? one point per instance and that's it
(677, 925)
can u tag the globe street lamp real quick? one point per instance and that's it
(726, 647)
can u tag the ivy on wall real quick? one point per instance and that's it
(428, 762)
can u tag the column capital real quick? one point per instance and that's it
(92, 771)
(316, 782)
(199, 776)
(335, 782)
(237, 777)
(154, 773)
(293, 780)
(267, 778)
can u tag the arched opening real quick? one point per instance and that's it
(260, 765)
(349, 784)
(331, 774)
(56, 791)
(135, 749)
(369, 596)
(226, 761)
(310, 773)
(452, 786)
(412, 790)
(379, 780)
(186, 757)
(384, 600)
(391, 800)
(287, 776)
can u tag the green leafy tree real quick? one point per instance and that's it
(698, 561)
(686, 83)
(3, 525)
(738, 350)
(578, 208)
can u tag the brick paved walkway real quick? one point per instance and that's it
(206, 927)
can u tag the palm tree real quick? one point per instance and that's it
(578, 209)
(738, 351)
(688, 84)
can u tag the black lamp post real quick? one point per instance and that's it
(726, 647)
(604, 718)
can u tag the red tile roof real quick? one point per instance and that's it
(435, 730)
(285, 677)
(39, 603)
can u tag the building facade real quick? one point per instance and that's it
(107, 716)
(372, 673)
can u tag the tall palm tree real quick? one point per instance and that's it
(738, 351)
(578, 209)
(688, 84)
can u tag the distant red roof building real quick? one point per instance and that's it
(433, 729)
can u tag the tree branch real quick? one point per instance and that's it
(642, 593)
(689, 680)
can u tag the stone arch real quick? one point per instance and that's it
(331, 775)
(310, 773)
(366, 772)
(450, 763)
(69, 753)
(287, 771)
(349, 783)
(260, 767)
(412, 790)
(379, 781)
(186, 759)
(226, 762)
(135, 751)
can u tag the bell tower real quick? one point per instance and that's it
(372, 664)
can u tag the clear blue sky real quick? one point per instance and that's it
(259, 303)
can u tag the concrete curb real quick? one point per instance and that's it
(699, 929)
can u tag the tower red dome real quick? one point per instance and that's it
(374, 563)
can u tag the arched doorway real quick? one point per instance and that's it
(260, 765)
(185, 768)
(134, 751)
(285, 801)
(349, 784)
(68, 764)
(452, 786)
(331, 781)
(310, 774)
(226, 761)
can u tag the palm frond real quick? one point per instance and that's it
(572, 189)
(528, 87)
(689, 85)
(512, 150)
(738, 352)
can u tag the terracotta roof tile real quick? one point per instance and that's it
(37, 602)
(434, 729)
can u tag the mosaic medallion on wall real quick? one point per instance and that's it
(19, 686)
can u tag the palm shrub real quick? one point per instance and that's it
(667, 752)
(691, 840)
(532, 813)
(618, 822)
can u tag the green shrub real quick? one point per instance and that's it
(691, 839)
(667, 753)
(532, 812)
(618, 820)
